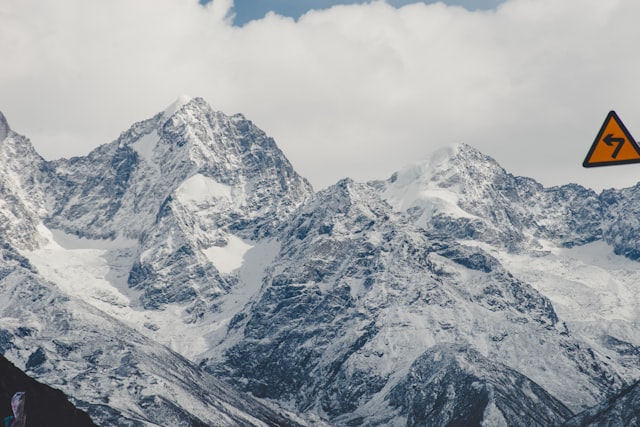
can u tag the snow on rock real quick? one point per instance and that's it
(199, 188)
(415, 187)
(462, 193)
(116, 374)
(594, 292)
(620, 410)
(340, 320)
(88, 269)
(26, 193)
(178, 183)
(145, 145)
(229, 257)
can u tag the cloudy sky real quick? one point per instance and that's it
(354, 90)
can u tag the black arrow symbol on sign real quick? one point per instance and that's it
(610, 140)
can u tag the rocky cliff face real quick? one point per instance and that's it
(24, 179)
(188, 155)
(179, 183)
(359, 291)
(453, 385)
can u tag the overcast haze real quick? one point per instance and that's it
(357, 90)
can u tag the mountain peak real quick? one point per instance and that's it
(456, 182)
(452, 167)
(176, 105)
(449, 152)
(461, 157)
(4, 127)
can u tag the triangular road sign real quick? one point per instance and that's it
(614, 145)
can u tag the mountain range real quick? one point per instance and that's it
(186, 274)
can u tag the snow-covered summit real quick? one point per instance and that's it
(437, 183)
(449, 173)
(465, 193)
(148, 165)
(180, 102)
(186, 190)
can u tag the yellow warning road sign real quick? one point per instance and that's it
(614, 145)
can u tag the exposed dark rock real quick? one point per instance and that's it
(45, 406)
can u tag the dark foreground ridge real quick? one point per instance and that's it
(45, 406)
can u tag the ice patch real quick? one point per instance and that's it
(200, 188)
(230, 257)
(145, 145)
(591, 288)
(493, 417)
(94, 270)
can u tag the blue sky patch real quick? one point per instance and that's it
(248, 10)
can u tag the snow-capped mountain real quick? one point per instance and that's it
(186, 274)
(163, 215)
(62, 315)
(468, 195)
(358, 294)
(183, 184)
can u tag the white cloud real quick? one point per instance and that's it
(355, 90)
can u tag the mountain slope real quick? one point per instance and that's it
(24, 177)
(111, 371)
(358, 293)
(620, 410)
(452, 385)
(192, 179)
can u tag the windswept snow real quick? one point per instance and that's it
(176, 105)
(419, 185)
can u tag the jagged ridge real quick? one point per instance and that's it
(215, 245)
